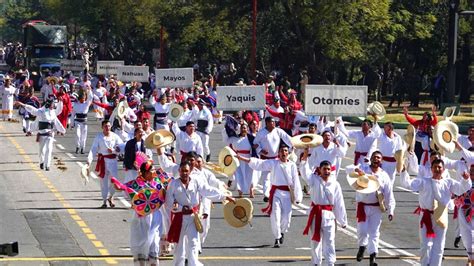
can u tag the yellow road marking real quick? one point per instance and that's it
(76, 217)
(104, 252)
(97, 243)
(70, 211)
(81, 223)
(86, 230)
(91, 236)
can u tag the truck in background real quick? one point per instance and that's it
(44, 46)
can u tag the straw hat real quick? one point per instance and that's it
(85, 171)
(52, 78)
(363, 183)
(449, 112)
(7, 77)
(440, 214)
(228, 161)
(409, 137)
(377, 109)
(400, 158)
(159, 138)
(238, 214)
(215, 168)
(306, 140)
(444, 135)
(435, 147)
(175, 112)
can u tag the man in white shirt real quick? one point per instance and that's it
(439, 189)
(182, 203)
(266, 143)
(162, 109)
(188, 140)
(105, 145)
(80, 109)
(388, 143)
(366, 139)
(285, 190)
(467, 141)
(368, 212)
(327, 205)
(204, 124)
(329, 150)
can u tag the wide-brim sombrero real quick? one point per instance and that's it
(409, 137)
(371, 183)
(240, 213)
(175, 112)
(228, 161)
(159, 138)
(306, 141)
(444, 134)
(377, 109)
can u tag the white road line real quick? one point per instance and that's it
(404, 189)
(70, 155)
(124, 202)
(61, 147)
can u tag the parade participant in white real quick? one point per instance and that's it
(162, 108)
(105, 145)
(244, 175)
(369, 214)
(466, 222)
(188, 140)
(329, 150)
(266, 143)
(100, 94)
(388, 143)
(366, 139)
(285, 190)
(182, 199)
(190, 111)
(80, 109)
(48, 123)
(467, 141)
(436, 188)
(204, 124)
(8, 96)
(327, 205)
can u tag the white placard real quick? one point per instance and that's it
(108, 67)
(72, 65)
(336, 100)
(174, 77)
(236, 98)
(133, 73)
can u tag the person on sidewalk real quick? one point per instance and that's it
(327, 206)
(285, 190)
(182, 204)
(435, 189)
(48, 124)
(105, 145)
(370, 206)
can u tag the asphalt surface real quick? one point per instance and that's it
(56, 220)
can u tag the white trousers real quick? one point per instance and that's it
(27, 124)
(265, 180)
(7, 106)
(389, 167)
(280, 217)
(206, 223)
(106, 187)
(327, 245)
(432, 249)
(205, 143)
(467, 233)
(145, 233)
(81, 134)
(368, 232)
(46, 150)
(162, 126)
(188, 244)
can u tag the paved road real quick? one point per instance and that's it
(56, 220)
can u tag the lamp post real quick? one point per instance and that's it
(452, 46)
(253, 53)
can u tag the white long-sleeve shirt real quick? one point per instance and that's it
(385, 187)
(204, 115)
(187, 143)
(465, 142)
(102, 143)
(430, 189)
(238, 144)
(281, 174)
(320, 153)
(325, 193)
(8, 92)
(82, 108)
(388, 146)
(187, 116)
(45, 115)
(159, 108)
(363, 143)
(270, 141)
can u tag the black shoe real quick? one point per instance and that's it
(457, 240)
(277, 243)
(24, 130)
(282, 238)
(360, 253)
(372, 259)
(208, 158)
(229, 183)
(41, 165)
(82, 150)
(46, 168)
(77, 150)
(265, 199)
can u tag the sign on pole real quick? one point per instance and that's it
(336, 100)
(108, 67)
(174, 77)
(72, 65)
(236, 98)
(133, 73)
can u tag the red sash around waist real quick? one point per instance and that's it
(316, 212)
(426, 221)
(360, 213)
(427, 156)
(268, 209)
(267, 157)
(389, 159)
(177, 223)
(243, 151)
(100, 167)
